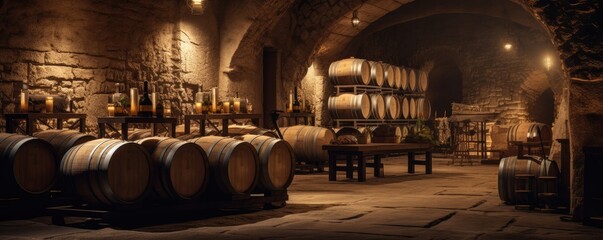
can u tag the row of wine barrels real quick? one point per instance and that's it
(354, 71)
(63, 140)
(510, 167)
(28, 165)
(307, 142)
(415, 108)
(276, 162)
(233, 164)
(528, 132)
(182, 168)
(107, 172)
(350, 106)
(362, 134)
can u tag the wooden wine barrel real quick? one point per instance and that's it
(350, 71)
(412, 80)
(182, 168)
(377, 75)
(28, 165)
(519, 132)
(403, 79)
(361, 136)
(423, 108)
(405, 130)
(389, 76)
(397, 77)
(422, 82)
(405, 108)
(107, 172)
(392, 108)
(307, 142)
(510, 167)
(377, 106)
(139, 134)
(386, 133)
(277, 162)
(350, 106)
(63, 140)
(238, 130)
(413, 108)
(233, 164)
(367, 133)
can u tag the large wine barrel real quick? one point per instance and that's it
(404, 108)
(392, 108)
(377, 106)
(412, 80)
(63, 140)
(350, 106)
(423, 108)
(386, 133)
(363, 137)
(413, 108)
(520, 132)
(423, 81)
(389, 76)
(403, 79)
(397, 77)
(238, 130)
(182, 168)
(510, 167)
(233, 164)
(377, 75)
(350, 71)
(277, 162)
(28, 165)
(307, 142)
(107, 172)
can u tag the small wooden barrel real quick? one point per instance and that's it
(139, 134)
(362, 137)
(277, 162)
(307, 142)
(404, 108)
(377, 106)
(377, 75)
(508, 168)
(413, 108)
(386, 133)
(350, 71)
(107, 172)
(350, 106)
(403, 79)
(423, 81)
(233, 164)
(389, 76)
(392, 108)
(520, 132)
(28, 165)
(412, 80)
(63, 140)
(397, 77)
(182, 167)
(423, 108)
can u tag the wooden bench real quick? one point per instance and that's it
(361, 152)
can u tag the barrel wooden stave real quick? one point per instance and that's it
(276, 162)
(63, 140)
(397, 77)
(233, 164)
(107, 172)
(377, 75)
(350, 71)
(377, 106)
(392, 108)
(307, 142)
(388, 76)
(350, 106)
(28, 165)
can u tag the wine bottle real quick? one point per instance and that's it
(145, 104)
(296, 105)
(159, 109)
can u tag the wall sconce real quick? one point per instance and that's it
(548, 62)
(355, 19)
(197, 6)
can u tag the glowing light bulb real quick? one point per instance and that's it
(548, 62)
(508, 46)
(355, 19)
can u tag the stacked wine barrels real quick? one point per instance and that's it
(307, 142)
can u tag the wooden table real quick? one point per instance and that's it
(12, 120)
(377, 151)
(307, 118)
(124, 121)
(257, 120)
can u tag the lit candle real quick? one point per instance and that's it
(111, 109)
(133, 101)
(226, 108)
(237, 105)
(214, 99)
(198, 107)
(154, 103)
(167, 112)
(49, 104)
(24, 102)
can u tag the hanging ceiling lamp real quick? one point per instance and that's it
(355, 19)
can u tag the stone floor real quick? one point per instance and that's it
(453, 203)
